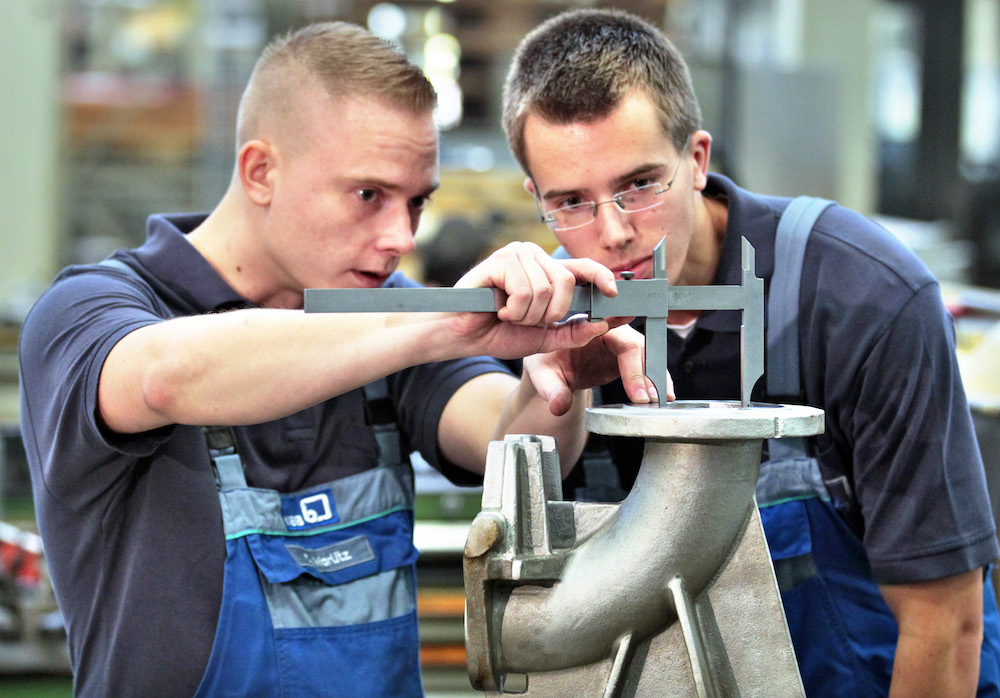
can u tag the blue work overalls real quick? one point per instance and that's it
(843, 632)
(319, 594)
(319, 587)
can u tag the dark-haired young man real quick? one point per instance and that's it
(880, 544)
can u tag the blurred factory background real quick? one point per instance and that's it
(114, 109)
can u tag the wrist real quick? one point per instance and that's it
(429, 337)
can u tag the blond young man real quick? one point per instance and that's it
(273, 554)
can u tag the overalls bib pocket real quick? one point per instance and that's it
(319, 594)
(342, 600)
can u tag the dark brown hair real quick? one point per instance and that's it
(579, 65)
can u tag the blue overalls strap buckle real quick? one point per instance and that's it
(219, 439)
(228, 466)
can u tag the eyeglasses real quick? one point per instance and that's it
(632, 200)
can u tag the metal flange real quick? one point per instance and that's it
(706, 420)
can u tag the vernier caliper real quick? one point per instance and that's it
(648, 298)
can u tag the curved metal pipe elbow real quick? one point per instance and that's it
(684, 516)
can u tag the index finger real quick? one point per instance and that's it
(589, 271)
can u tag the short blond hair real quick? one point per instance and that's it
(343, 59)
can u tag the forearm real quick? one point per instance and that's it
(526, 412)
(940, 635)
(252, 366)
(936, 666)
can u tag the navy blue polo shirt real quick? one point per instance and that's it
(131, 523)
(878, 355)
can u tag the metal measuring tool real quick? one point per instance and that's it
(651, 299)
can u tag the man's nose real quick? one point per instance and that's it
(398, 234)
(614, 225)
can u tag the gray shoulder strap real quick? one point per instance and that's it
(783, 302)
(381, 416)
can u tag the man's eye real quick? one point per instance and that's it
(640, 182)
(419, 203)
(572, 202)
(367, 195)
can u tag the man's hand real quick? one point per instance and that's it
(619, 352)
(563, 356)
(544, 401)
(539, 292)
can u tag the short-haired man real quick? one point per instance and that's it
(882, 577)
(273, 555)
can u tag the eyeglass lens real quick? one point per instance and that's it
(630, 201)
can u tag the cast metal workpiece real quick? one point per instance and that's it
(651, 299)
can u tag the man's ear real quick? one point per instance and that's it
(529, 185)
(256, 166)
(701, 150)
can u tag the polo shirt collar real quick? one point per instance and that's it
(179, 272)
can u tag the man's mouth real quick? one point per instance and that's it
(640, 269)
(371, 279)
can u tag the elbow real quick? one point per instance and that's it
(169, 390)
(146, 382)
(131, 409)
(159, 395)
(966, 655)
(162, 395)
(970, 636)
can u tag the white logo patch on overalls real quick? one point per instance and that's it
(308, 510)
(331, 558)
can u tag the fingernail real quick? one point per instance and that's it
(653, 395)
(642, 395)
